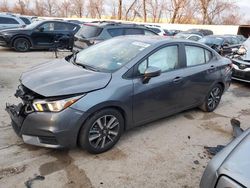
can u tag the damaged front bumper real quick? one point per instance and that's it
(46, 129)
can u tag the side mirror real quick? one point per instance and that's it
(41, 29)
(149, 73)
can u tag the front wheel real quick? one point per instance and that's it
(213, 99)
(101, 131)
(21, 45)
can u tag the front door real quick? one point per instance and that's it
(161, 94)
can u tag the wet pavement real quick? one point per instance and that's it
(166, 153)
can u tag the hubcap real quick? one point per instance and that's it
(22, 45)
(214, 98)
(103, 131)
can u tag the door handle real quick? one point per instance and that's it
(177, 79)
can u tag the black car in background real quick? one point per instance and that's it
(222, 44)
(95, 32)
(39, 35)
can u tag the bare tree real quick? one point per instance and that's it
(95, 8)
(155, 9)
(78, 7)
(211, 9)
(50, 7)
(65, 8)
(129, 9)
(21, 7)
(120, 10)
(4, 6)
(144, 11)
(39, 8)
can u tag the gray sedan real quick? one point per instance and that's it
(90, 98)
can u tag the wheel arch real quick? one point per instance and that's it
(21, 36)
(95, 109)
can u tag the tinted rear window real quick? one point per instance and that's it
(25, 20)
(133, 31)
(89, 31)
(115, 32)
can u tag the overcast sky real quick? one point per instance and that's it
(244, 7)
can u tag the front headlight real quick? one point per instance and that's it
(54, 106)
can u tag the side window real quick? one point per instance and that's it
(165, 59)
(115, 32)
(4, 20)
(194, 55)
(133, 31)
(48, 26)
(25, 20)
(208, 55)
(149, 33)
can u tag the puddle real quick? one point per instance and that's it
(211, 115)
(6, 172)
(76, 177)
(214, 126)
(111, 155)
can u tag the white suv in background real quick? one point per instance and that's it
(157, 29)
(10, 21)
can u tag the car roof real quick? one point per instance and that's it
(159, 40)
(59, 21)
(104, 24)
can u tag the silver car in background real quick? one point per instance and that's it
(230, 168)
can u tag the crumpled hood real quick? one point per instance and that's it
(59, 77)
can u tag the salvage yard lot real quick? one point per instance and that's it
(165, 153)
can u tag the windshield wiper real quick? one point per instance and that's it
(88, 67)
(85, 66)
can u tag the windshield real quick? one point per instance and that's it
(33, 25)
(211, 40)
(110, 55)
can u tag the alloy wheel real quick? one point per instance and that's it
(214, 98)
(103, 131)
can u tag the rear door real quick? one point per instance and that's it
(201, 72)
(161, 95)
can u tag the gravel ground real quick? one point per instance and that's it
(166, 153)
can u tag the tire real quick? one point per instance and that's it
(96, 136)
(212, 99)
(21, 45)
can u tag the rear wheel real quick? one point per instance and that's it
(21, 45)
(213, 99)
(101, 131)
